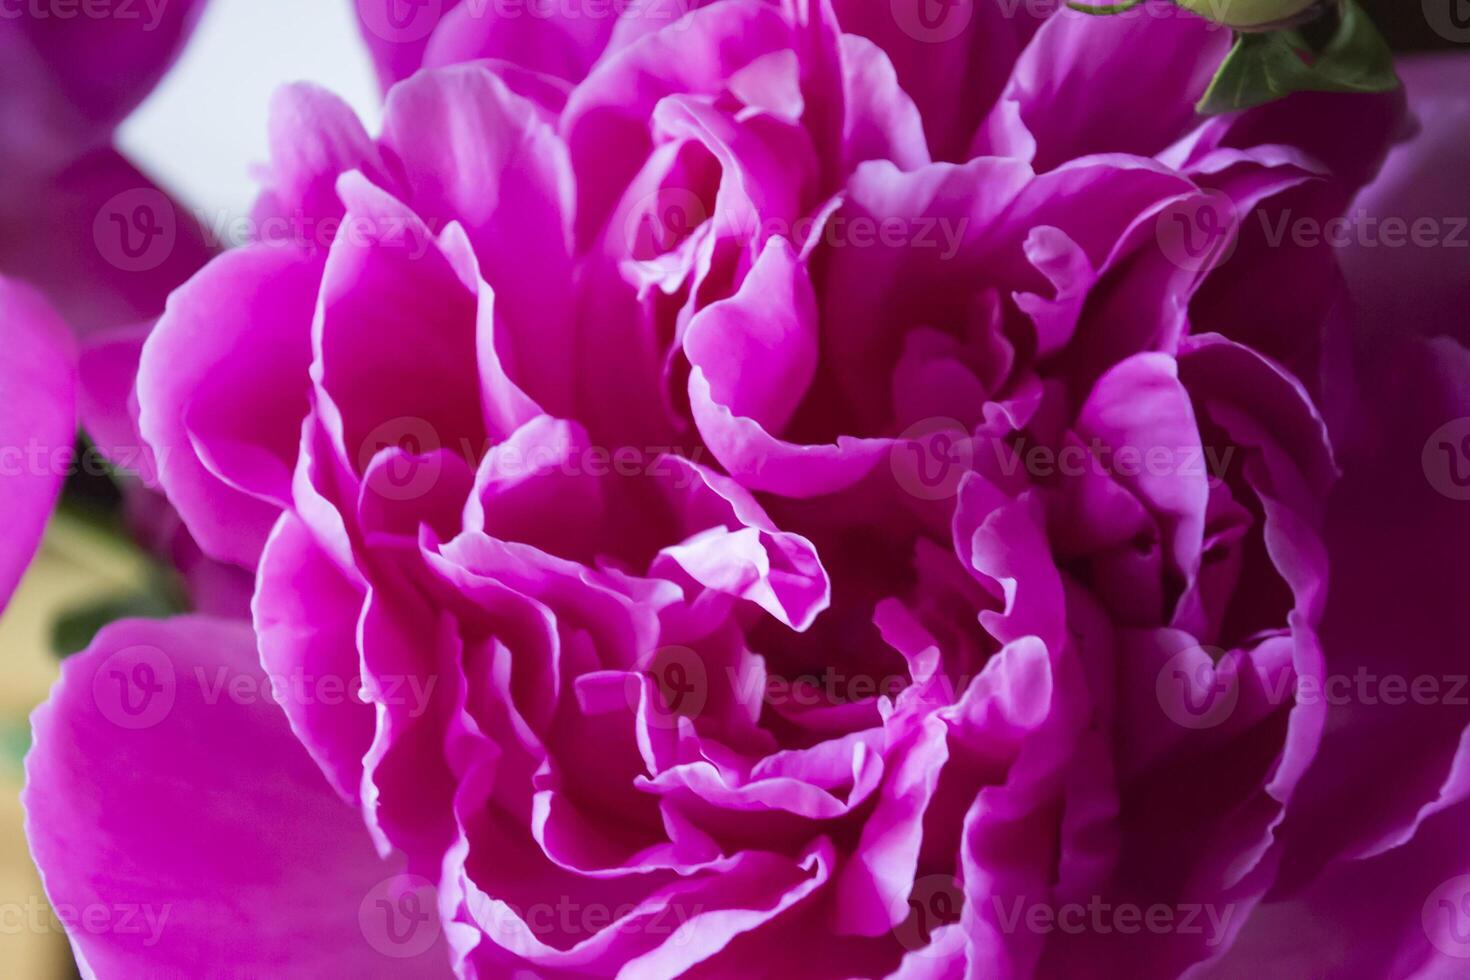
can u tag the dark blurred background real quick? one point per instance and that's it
(1407, 23)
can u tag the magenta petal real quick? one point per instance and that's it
(882, 121)
(107, 373)
(1140, 406)
(1393, 611)
(606, 119)
(1003, 541)
(535, 488)
(786, 468)
(392, 305)
(69, 76)
(563, 41)
(224, 457)
(306, 613)
(873, 888)
(1083, 85)
(164, 780)
(735, 549)
(1419, 188)
(1398, 516)
(773, 319)
(475, 153)
(398, 33)
(1400, 914)
(101, 240)
(315, 137)
(941, 50)
(37, 422)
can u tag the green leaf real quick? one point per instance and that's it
(1106, 10)
(1260, 68)
(1357, 59)
(130, 582)
(1268, 66)
(75, 630)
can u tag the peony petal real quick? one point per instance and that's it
(1417, 190)
(939, 50)
(1082, 85)
(392, 304)
(101, 240)
(305, 615)
(224, 458)
(158, 764)
(606, 119)
(107, 376)
(1137, 408)
(772, 320)
(315, 137)
(37, 422)
(882, 121)
(70, 77)
(735, 549)
(474, 153)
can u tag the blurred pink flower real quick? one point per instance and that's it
(37, 422)
(77, 220)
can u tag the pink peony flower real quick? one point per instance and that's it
(778, 491)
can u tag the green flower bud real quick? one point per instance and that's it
(1243, 15)
(1247, 13)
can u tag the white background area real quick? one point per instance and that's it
(202, 130)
